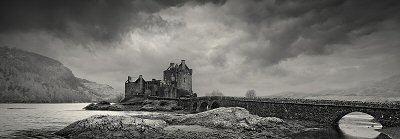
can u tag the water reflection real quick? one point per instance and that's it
(360, 125)
(354, 125)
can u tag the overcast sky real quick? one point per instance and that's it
(271, 46)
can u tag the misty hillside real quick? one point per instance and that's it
(100, 91)
(385, 90)
(389, 87)
(30, 77)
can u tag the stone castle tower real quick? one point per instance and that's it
(179, 76)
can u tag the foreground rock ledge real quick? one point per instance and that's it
(100, 126)
(232, 122)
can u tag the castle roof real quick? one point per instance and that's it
(138, 80)
(176, 67)
(183, 66)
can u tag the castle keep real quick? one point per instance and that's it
(177, 82)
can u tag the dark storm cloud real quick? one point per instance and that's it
(267, 45)
(80, 20)
(298, 27)
(309, 27)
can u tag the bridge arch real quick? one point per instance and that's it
(357, 120)
(341, 115)
(214, 105)
(203, 107)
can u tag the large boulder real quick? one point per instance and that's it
(230, 117)
(100, 126)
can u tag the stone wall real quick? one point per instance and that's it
(132, 89)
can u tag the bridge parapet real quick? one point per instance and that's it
(390, 105)
(323, 111)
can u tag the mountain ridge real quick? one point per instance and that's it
(384, 90)
(30, 77)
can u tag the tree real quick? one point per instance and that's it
(215, 93)
(251, 93)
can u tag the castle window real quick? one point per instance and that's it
(184, 79)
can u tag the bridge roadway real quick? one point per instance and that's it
(322, 111)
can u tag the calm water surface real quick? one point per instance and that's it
(16, 117)
(20, 117)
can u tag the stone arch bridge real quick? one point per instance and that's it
(322, 111)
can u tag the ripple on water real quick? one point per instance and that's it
(20, 108)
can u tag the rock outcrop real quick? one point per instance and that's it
(160, 105)
(100, 126)
(104, 105)
(230, 117)
(138, 105)
(97, 106)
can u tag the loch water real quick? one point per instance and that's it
(25, 117)
(55, 116)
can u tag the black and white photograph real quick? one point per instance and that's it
(200, 69)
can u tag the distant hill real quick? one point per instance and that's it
(385, 90)
(389, 87)
(100, 91)
(30, 77)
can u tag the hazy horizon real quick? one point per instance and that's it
(232, 46)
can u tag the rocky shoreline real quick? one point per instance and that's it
(232, 122)
(137, 105)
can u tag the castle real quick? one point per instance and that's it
(177, 82)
